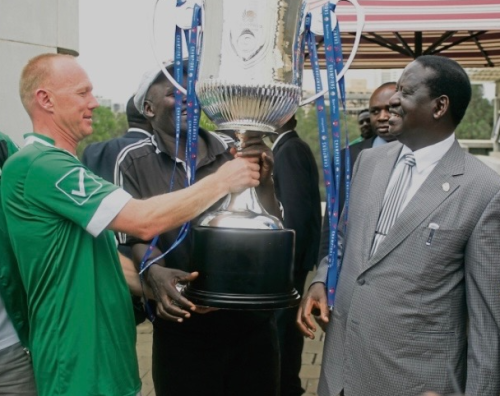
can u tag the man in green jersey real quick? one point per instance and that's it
(16, 373)
(82, 332)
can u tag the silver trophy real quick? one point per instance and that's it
(249, 81)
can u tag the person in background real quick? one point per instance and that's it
(60, 219)
(296, 181)
(380, 114)
(16, 372)
(417, 306)
(365, 128)
(100, 157)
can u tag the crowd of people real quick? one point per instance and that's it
(417, 306)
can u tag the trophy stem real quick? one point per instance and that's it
(244, 201)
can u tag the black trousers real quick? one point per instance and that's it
(227, 363)
(291, 343)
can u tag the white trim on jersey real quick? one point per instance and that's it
(139, 130)
(122, 237)
(118, 178)
(107, 211)
(32, 139)
(35, 139)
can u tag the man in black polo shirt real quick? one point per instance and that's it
(221, 353)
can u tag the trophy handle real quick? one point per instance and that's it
(360, 22)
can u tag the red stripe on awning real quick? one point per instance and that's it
(422, 18)
(420, 3)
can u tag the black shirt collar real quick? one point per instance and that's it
(215, 146)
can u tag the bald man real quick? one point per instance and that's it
(60, 218)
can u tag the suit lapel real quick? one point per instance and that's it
(355, 149)
(429, 196)
(378, 184)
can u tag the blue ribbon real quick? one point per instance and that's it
(193, 121)
(339, 63)
(333, 55)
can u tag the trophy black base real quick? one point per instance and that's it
(243, 269)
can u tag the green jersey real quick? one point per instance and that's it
(357, 140)
(12, 293)
(7, 148)
(82, 332)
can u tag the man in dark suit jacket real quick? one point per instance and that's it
(379, 121)
(296, 185)
(100, 157)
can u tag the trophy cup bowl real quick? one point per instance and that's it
(249, 81)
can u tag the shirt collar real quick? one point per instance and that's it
(279, 138)
(139, 130)
(214, 146)
(429, 155)
(30, 138)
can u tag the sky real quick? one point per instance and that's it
(115, 44)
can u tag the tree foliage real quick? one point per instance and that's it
(307, 128)
(205, 123)
(107, 125)
(478, 120)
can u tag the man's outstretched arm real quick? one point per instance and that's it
(147, 218)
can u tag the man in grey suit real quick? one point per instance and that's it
(423, 309)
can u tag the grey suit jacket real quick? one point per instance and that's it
(404, 316)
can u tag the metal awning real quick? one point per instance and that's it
(484, 74)
(397, 31)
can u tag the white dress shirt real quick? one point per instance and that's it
(426, 160)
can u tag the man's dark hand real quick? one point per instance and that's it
(314, 301)
(171, 305)
(252, 146)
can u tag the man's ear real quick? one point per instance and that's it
(43, 99)
(442, 105)
(149, 111)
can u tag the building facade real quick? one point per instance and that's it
(29, 28)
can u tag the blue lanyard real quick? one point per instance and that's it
(339, 62)
(333, 55)
(331, 191)
(193, 121)
(193, 107)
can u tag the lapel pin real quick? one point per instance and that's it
(446, 187)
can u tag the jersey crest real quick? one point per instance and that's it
(79, 185)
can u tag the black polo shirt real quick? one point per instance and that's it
(145, 169)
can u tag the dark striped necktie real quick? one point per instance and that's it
(393, 202)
